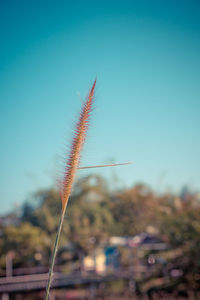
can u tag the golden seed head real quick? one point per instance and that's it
(76, 147)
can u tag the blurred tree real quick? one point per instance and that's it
(134, 209)
(26, 241)
(90, 219)
(182, 230)
(43, 210)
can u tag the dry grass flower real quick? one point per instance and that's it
(71, 168)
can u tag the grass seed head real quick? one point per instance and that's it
(76, 147)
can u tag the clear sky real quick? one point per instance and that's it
(146, 56)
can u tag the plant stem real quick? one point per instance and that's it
(50, 276)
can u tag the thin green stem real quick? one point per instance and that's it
(50, 277)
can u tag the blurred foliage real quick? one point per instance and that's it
(94, 214)
(26, 241)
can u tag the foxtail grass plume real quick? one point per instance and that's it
(71, 168)
(77, 144)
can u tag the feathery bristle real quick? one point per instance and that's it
(77, 144)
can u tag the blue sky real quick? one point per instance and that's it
(145, 55)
